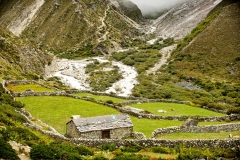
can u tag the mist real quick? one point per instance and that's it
(156, 7)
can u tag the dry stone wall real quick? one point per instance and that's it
(198, 129)
(216, 143)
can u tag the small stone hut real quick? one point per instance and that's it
(115, 126)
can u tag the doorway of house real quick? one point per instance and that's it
(106, 134)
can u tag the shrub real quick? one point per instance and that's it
(54, 151)
(131, 148)
(130, 156)
(6, 151)
(108, 147)
(21, 135)
(162, 150)
(235, 110)
(41, 151)
(109, 101)
(84, 151)
(100, 158)
(233, 94)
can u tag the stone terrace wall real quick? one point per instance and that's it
(198, 129)
(231, 143)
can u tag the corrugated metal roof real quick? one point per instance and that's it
(102, 122)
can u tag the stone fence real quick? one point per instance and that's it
(215, 143)
(198, 129)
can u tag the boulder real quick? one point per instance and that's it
(190, 123)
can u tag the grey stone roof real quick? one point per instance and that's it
(103, 122)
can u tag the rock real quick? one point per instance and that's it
(57, 5)
(93, 6)
(190, 123)
(162, 111)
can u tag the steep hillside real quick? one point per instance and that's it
(215, 52)
(18, 59)
(88, 27)
(180, 20)
(129, 9)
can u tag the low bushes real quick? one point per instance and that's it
(235, 110)
(162, 150)
(20, 135)
(6, 151)
(206, 153)
(101, 79)
(131, 148)
(130, 156)
(108, 147)
(57, 150)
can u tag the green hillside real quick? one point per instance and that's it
(18, 59)
(214, 53)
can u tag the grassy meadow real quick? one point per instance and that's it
(23, 87)
(174, 109)
(57, 111)
(101, 98)
(52, 109)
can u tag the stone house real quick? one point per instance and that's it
(115, 126)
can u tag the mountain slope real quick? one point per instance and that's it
(18, 59)
(215, 52)
(180, 20)
(70, 25)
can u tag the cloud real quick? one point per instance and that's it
(152, 6)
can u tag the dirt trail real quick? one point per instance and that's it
(23, 20)
(103, 27)
(166, 53)
(25, 149)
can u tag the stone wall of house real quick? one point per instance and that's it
(71, 130)
(91, 134)
(120, 133)
(198, 129)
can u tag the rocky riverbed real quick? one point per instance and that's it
(72, 73)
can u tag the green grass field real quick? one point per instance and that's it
(56, 111)
(147, 126)
(102, 98)
(190, 136)
(22, 87)
(174, 109)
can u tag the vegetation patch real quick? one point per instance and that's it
(23, 87)
(102, 75)
(145, 56)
